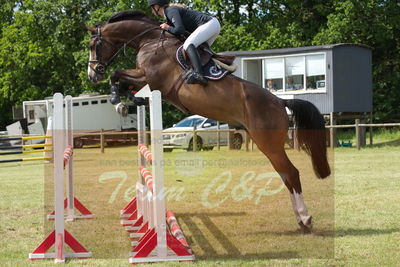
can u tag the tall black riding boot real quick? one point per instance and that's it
(196, 75)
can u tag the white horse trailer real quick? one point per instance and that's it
(92, 113)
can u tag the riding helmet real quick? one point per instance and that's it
(157, 2)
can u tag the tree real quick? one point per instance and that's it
(43, 44)
(43, 48)
(374, 23)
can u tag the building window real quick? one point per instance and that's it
(315, 72)
(252, 71)
(287, 73)
(294, 73)
(274, 73)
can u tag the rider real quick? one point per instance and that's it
(202, 28)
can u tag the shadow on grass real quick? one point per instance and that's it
(365, 232)
(394, 143)
(336, 233)
(231, 251)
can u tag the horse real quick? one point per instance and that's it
(232, 99)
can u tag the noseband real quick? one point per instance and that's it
(101, 66)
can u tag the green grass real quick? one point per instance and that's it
(381, 136)
(356, 212)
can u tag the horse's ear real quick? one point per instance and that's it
(91, 29)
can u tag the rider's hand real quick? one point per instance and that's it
(164, 26)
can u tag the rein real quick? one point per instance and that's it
(102, 66)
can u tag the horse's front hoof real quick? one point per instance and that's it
(122, 109)
(307, 227)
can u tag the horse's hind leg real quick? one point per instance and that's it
(271, 143)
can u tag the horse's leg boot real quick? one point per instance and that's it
(115, 98)
(196, 76)
(140, 101)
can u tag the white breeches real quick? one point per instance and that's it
(207, 32)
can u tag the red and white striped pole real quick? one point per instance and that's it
(176, 229)
(146, 153)
(67, 155)
(146, 174)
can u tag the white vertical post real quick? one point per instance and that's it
(142, 140)
(141, 128)
(70, 141)
(58, 146)
(158, 172)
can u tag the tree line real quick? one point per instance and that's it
(43, 44)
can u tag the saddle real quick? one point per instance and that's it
(215, 66)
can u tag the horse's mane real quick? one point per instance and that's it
(131, 15)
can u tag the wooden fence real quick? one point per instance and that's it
(249, 145)
(359, 128)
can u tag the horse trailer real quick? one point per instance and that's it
(92, 113)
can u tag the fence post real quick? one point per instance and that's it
(332, 131)
(246, 140)
(358, 136)
(296, 144)
(371, 138)
(229, 139)
(194, 142)
(102, 140)
(218, 136)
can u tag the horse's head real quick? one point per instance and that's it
(102, 53)
(126, 28)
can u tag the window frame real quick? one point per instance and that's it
(284, 91)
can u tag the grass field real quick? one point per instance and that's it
(231, 207)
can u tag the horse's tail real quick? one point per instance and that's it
(311, 134)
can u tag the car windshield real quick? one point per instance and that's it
(189, 122)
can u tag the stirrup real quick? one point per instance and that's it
(196, 78)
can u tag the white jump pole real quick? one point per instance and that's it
(71, 202)
(58, 152)
(62, 154)
(70, 166)
(158, 171)
(142, 139)
(156, 243)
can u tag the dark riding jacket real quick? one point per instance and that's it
(184, 19)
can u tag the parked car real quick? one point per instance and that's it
(181, 135)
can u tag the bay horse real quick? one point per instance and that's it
(231, 100)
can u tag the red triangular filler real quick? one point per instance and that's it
(130, 207)
(147, 245)
(139, 222)
(144, 228)
(176, 246)
(50, 241)
(78, 205)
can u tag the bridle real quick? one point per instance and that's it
(101, 66)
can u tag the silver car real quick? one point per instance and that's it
(181, 135)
